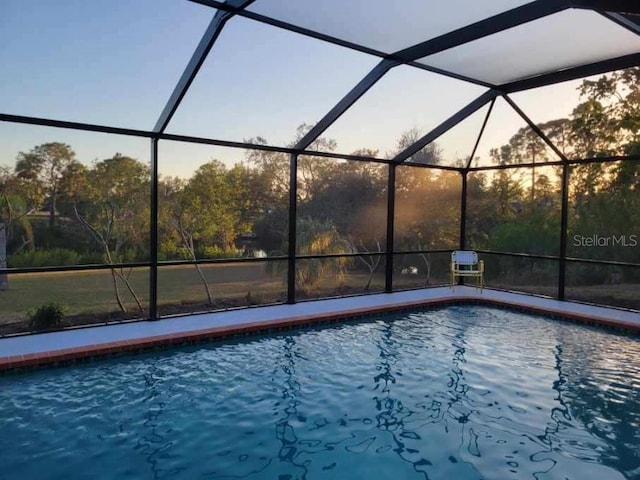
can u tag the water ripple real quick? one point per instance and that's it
(461, 392)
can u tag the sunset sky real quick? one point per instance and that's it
(116, 62)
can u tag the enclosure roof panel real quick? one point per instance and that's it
(382, 25)
(564, 40)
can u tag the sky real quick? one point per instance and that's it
(116, 62)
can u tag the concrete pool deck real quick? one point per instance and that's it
(71, 345)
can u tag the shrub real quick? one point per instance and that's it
(169, 250)
(214, 252)
(127, 255)
(44, 258)
(91, 258)
(47, 316)
(56, 257)
(66, 234)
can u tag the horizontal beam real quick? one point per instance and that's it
(73, 268)
(519, 255)
(603, 262)
(47, 122)
(509, 166)
(293, 28)
(355, 46)
(169, 263)
(213, 261)
(446, 125)
(492, 25)
(268, 148)
(417, 252)
(211, 3)
(446, 168)
(4, 117)
(575, 161)
(575, 73)
(445, 73)
(615, 158)
(555, 258)
(625, 6)
(290, 151)
(87, 127)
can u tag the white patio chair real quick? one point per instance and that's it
(465, 263)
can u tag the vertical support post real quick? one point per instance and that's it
(463, 211)
(463, 216)
(293, 207)
(4, 280)
(564, 216)
(391, 207)
(153, 233)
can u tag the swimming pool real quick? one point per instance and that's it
(455, 393)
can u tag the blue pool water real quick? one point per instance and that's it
(457, 393)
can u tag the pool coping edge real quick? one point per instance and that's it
(85, 353)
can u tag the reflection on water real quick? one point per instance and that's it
(465, 393)
(152, 441)
(285, 432)
(602, 391)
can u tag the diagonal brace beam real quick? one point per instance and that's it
(484, 125)
(536, 129)
(197, 60)
(446, 125)
(349, 99)
(623, 6)
(497, 23)
(623, 21)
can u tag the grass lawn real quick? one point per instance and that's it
(93, 291)
(88, 296)
(625, 295)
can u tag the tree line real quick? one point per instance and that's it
(57, 210)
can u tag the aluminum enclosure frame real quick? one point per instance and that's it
(613, 10)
